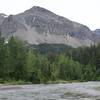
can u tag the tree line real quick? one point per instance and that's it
(21, 62)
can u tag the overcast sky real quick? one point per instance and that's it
(86, 12)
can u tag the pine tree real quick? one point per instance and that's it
(16, 58)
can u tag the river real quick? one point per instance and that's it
(69, 91)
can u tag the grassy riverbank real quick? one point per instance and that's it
(22, 82)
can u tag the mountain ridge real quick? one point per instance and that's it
(38, 25)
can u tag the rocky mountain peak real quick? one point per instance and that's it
(39, 25)
(39, 9)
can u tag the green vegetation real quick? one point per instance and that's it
(22, 64)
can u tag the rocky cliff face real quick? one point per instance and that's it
(38, 25)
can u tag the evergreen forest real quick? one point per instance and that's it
(47, 62)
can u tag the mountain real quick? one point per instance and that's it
(97, 31)
(2, 17)
(38, 25)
